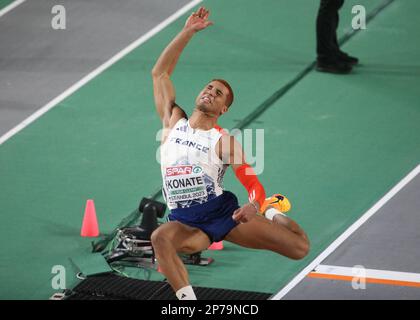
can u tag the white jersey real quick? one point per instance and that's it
(192, 172)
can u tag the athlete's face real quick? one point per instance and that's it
(212, 99)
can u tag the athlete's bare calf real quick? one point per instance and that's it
(173, 238)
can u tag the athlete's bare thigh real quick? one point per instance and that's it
(184, 238)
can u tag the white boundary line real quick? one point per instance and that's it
(98, 70)
(11, 6)
(368, 273)
(346, 234)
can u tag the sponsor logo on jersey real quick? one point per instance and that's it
(197, 169)
(178, 170)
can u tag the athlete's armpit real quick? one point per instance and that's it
(177, 113)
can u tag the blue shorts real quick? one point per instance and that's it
(213, 217)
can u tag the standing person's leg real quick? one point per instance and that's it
(326, 34)
(336, 24)
(342, 55)
(326, 27)
(282, 235)
(170, 239)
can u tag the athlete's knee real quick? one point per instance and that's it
(160, 239)
(301, 249)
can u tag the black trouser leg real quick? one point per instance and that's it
(326, 28)
(337, 22)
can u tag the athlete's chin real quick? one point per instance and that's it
(203, 107)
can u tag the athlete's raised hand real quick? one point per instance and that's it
(198, 20)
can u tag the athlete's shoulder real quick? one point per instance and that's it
(222, 131)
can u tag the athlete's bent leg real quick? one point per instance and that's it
(281, 236)
(170, 239)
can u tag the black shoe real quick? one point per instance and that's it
(333, 66)
(348, 59)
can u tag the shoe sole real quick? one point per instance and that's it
(352, 63)
(335, 71)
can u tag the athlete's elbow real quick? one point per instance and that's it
(158, 74)
(155, 72)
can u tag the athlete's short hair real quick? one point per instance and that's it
(229, 98)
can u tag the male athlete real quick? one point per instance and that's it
(194, 156)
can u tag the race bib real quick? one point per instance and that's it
(184, 183)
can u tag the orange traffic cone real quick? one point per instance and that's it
(90, 223)
(216, 245)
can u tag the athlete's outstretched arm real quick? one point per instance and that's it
(162, 86)
(232, 153)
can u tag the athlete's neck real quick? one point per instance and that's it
(202, 120)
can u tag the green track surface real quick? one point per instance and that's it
(333, 144)
(4, 3)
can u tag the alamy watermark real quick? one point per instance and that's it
(58, 282)
(58, 21)
(358, 281)
(359, 20)
(250, 141)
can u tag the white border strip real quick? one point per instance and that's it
(11, 6)
(98, 70)
(368, 273)
(346, 234)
